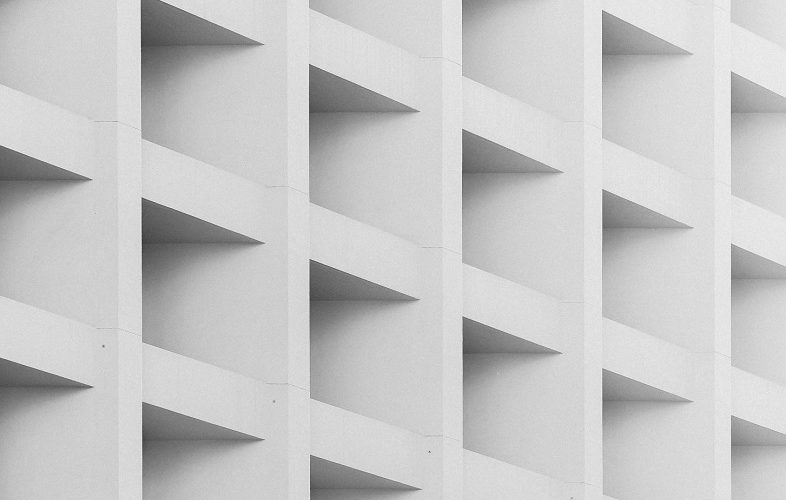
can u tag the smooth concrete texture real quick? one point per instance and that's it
(492, 27)
(757, 400)
(39, 348)
(621, 212)
(755, 58)
(18, 375)
(512, 226)
(328, 92)
(24, 156)
(483, 155)
(531, 231)
(367, 166)
(757, 472)
(644, 441)
(756, 152)
(484, 476)
(621, 388)
(506, 394)
(504, 316)
(353, 71)
(635, 361)
(167, 23)
(364, 359)
(749, 97)
(205, 300)
(50, 261)
(502, 134)
(373, 249)
(758, 231)
(161, 224)
(191, 92)
(744, 433)
(428, 29)
(350, 451)
(745, 264)
(331, 476)
(204, 192)
(621, 37)
(757, 343)
(47, 418)
(668, 25)
(162, 424)
(201, 469)
(761, 17)
(632, 183)
(365, 256)
(648, 277)
(662, 133)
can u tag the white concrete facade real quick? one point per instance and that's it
(376, 249)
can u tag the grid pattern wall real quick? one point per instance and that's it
(376, 249)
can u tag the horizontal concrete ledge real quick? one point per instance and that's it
(192, 201)
(663, 27)
(744, 433)
(758, 401)
(484, 156)
(748, 265)
(759, 61)
(200, 22)
(750, 97)
(638, 366)
(759, 232)
(188, 399)
(503, 134)
(39, 140)
(39, 348)
(353, 451)
(354, 261)
(353, 71)
(640, 192)
(486, 477)
(503, 316)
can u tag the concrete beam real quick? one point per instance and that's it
(363, 444)
(188, 399)
(354, 71)
(503, 134)
(192, 201)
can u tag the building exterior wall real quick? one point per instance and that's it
(366, 249)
